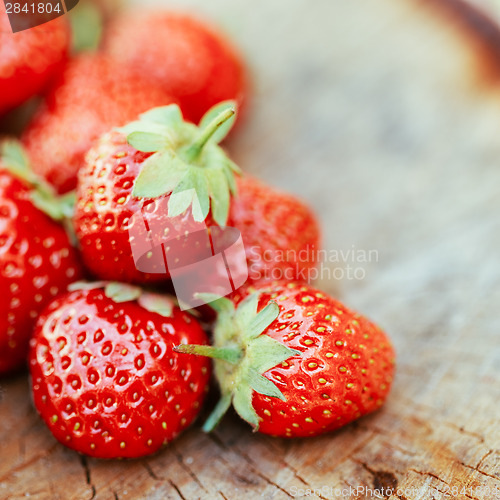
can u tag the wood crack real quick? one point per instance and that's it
(180, 459)
(150, 471)
(88, 476)
(177, 489)
(475, 469)
(430, 474)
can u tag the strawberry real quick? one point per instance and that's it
(30, 59)
(280, 233)
(37, 260)
(150, 168)
(295, 362)
(105, 377)
(187, 57)
(91, 96)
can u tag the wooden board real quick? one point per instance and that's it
(379, 114)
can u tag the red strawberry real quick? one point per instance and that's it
(30, 59)
(37, 260)
(295, 362)
(123, 178)
(187, 57)
(280, 233)
(105, 377)
(93, 95)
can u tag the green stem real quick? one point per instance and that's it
(230, 354)
(196, 148)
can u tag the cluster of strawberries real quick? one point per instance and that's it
(118, 367)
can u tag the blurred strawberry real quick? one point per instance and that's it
(30, 59)
(189, 58)
(93, 95)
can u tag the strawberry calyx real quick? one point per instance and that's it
(242, 353)
(124, 292)
(14, 159)
(187, 161)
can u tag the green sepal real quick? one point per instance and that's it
(191, 191)
(153, 180)
(247, 311)
(242, 333)
(221, 305)
(187, 163)
(219, 195)
(262, 321)
(42, 194)
(263, 385)
(168, 116)
(242, 402)
(159, 304)
(122, 292)
(86, 285)
(218, 412)
(145, 127)
(265, 353)
(147, 142)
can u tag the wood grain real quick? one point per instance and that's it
(376, 113)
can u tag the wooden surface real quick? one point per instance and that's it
(378, 113)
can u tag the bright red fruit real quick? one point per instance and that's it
(161, 154)
(93, 95)
(30, 59)
(106, 379)
(37, 262)
(281, 234)
(295, 362)
(187, 57)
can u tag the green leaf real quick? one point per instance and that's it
(264, 386)
(170, 115)
(122, 292)
(219, 195)
(242, 402)
(218, 412)
(160, 174)
(147, 142)
(154, 302)
(260, 322)
(213, 113)
(264, 353)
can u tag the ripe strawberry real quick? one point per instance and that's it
(105, 377)
(93, 95)
(30, 59)
(280, 233)
(37, 260)
(123, 177)
(186, 56)
(295, 362)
